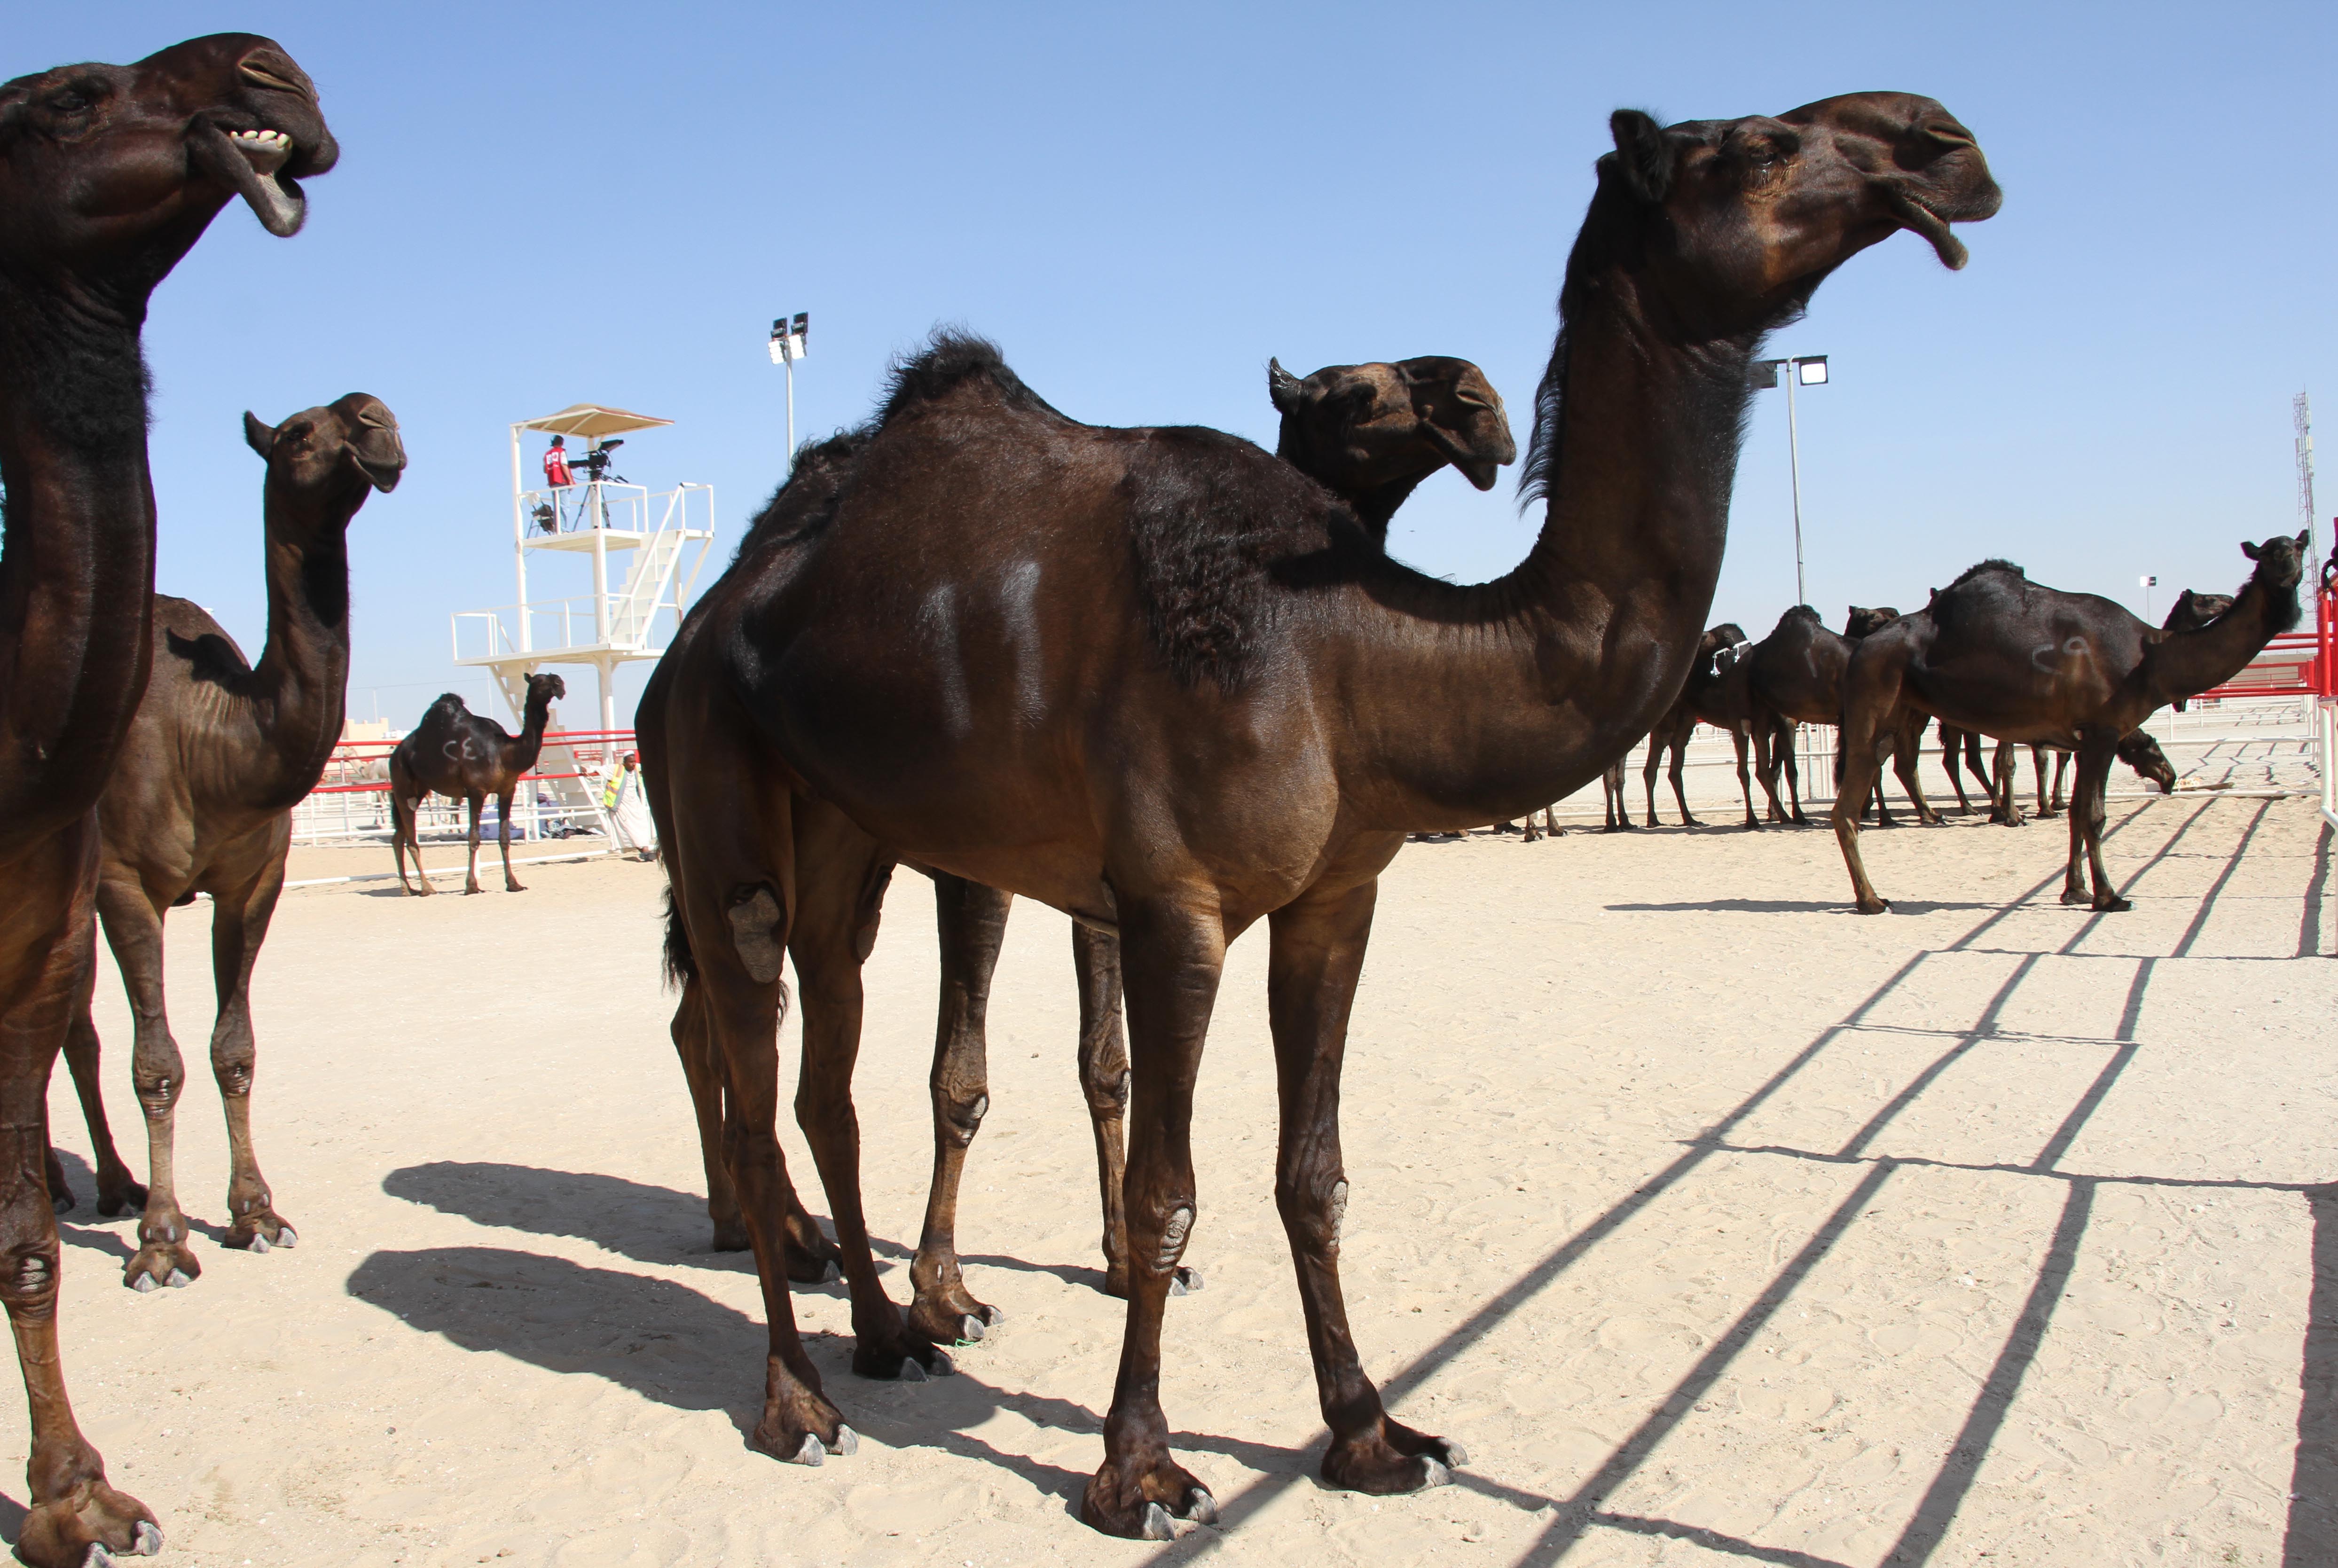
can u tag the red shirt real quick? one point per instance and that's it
(556, 468)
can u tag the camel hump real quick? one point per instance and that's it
(953, 358)
(1800, 612)
(1993, 566)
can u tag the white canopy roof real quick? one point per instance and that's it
(593, 420)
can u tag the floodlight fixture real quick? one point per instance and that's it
(788, 346)
(1805, 371)
(1813, 371)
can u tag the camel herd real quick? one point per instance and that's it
(1159, 679)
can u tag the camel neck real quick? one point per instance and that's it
(2183, 665)
(78, 564)
(1374, 508)
(533, 719)
(301, 685)
(1551, 672)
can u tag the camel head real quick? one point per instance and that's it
(1740, 220)
(115, 170)
(332, 453)
(1716, 641)
(1360, 427)
(2193, 611)
(1863, 621)
(2281, 567)
(2139, 751)
(542, 691)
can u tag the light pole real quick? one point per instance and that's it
(787, 348)
(2148, 582)
(1811, 371)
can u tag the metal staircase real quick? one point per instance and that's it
(645, 589)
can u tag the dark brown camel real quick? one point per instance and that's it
(108, 175)
(466, 758)
(219, 752)
(1672, 731)
(1795, 676)
(1997, 653)
(1367, 433)
(1720, 693)
(1163, 682)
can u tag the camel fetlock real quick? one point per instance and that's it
(798, 1425)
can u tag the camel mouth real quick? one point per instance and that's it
(251, 163)
(1916, 214)
(1481, 472)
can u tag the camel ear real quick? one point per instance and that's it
(1643, 152)
(259, 436)
(1283, 389)
(2304, 539)
(2248, 550)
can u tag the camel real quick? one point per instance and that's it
(1997, 653)
(1795, 676)
(1719, 693)
(219, 752)
(1163, 681)
(466, 758)
(109, 174)
(1369, 433)
(1672, 731)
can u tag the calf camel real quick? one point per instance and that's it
(1164, 682)
(464, 757)
(219, 752)
(1672, 731)
(109, 174)
(2000, 654)
(1367, 433)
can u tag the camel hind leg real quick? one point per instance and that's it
(471, 867)
(117, 1190)
(404, 809)
(2097, 748)
(972, 922)
(1738, 736)
(1680, 795)
(134, 929)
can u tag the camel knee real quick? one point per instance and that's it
(1313, 1204)
(28, 1278)
(157, 1075)
(756, 920)
(1173, 1228)
(958, 1114)
(232, 1063)
(1106, 1086)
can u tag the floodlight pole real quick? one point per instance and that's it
(1795, 464)
(788, 336)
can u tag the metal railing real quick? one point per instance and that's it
(351, 805)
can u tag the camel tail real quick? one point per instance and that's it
(681, 966)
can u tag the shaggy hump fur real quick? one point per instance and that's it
(1991, 564)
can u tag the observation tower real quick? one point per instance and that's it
(585, 523)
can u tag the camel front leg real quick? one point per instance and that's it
(76, 1517)
(240, 921)
(1738, 737)
(972, 922)
(1104, 1082)
(2097, 748)
(2054, 807)
(471, 867)
(1950, 739)
(1907, 747)
(403, 835)
(117, 1190)
(1680, 796)
(503, 840)
(1173, 951)
(840, 878)
(1767, 762)
(134, 929)
(1785, 752)
(693, 1043)
(1317, 952)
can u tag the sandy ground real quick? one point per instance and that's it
(1722, 1225)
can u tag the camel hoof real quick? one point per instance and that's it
(287, 1236)
(146, 1541)
(971, 1328)
(2115, 907)
(809, 1453)
(63, 1203)
(259, 1243)
(98, 1557)
(180, 1279)
(1156, 1524)
(1184, 1282)
(1433, 1473)
(1200, 1506)
(144, 1284)
(1880, 907)
(832, 1274)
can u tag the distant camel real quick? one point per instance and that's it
(202, 802)
(1369, 433)
(1163, 682)
(464, 757)
(1719, 693)
(109, 174)
(1997, 653)
(1672, 731)
(1795, 676)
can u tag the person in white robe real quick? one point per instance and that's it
(629, 809)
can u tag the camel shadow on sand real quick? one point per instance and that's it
(669, 1344)
(632, 1218)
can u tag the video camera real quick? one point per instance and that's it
(597, 464)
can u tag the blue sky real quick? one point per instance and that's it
(540, 205)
